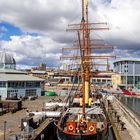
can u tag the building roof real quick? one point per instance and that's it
(18, 77)
(105, 73)
(126, 60)
(39, 72)
(6, 58)
(11, 71)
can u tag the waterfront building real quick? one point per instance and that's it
(41, 67)
(39, 73)
(127, 73)
(102, 78)
(16, 83)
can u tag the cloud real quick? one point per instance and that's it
(39, 15)
(49, 19)
(123, 17)
(32, 50)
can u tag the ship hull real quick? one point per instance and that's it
(103, 135)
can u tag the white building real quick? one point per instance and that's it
(16, 83)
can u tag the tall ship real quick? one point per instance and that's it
(84, 118)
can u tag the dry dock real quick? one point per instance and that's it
(13, 120)
(125, 124)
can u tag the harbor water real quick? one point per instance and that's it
(132, 102)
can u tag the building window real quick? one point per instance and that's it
(2, 84)
(32, 84)
(16, 84)
(12, 93)
(37, 84)
(67, 80)
(30, 92)
(21, 84)
(29, 84)
(125, 71)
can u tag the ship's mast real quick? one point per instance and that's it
(83, 60)
(87, 73)
(86, 45)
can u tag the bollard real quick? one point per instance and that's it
(115, 113)
(118, 118)
(122, 126)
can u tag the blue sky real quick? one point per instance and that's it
(7, 30)
(34, 33)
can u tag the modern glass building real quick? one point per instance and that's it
(129, 70)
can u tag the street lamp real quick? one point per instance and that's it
(4, 128)
(126, 79)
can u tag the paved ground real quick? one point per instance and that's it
(14, 119)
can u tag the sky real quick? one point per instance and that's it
(34, 31)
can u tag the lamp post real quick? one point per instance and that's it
(126, 79)
(133, 74)
(126, 76)
(4, 129)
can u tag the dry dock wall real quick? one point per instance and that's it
(47, 133)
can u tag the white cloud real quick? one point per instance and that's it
(34, 50)
(38, 15)
(123, 17)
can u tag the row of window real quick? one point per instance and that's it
(32, 84)
(23, 84)
(99, 81)
(16, 84)
(12, 93)
(130, 80)
(20, 84)
(30, 92)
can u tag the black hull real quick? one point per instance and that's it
(98, 136)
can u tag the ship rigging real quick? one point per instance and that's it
(85, 117)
